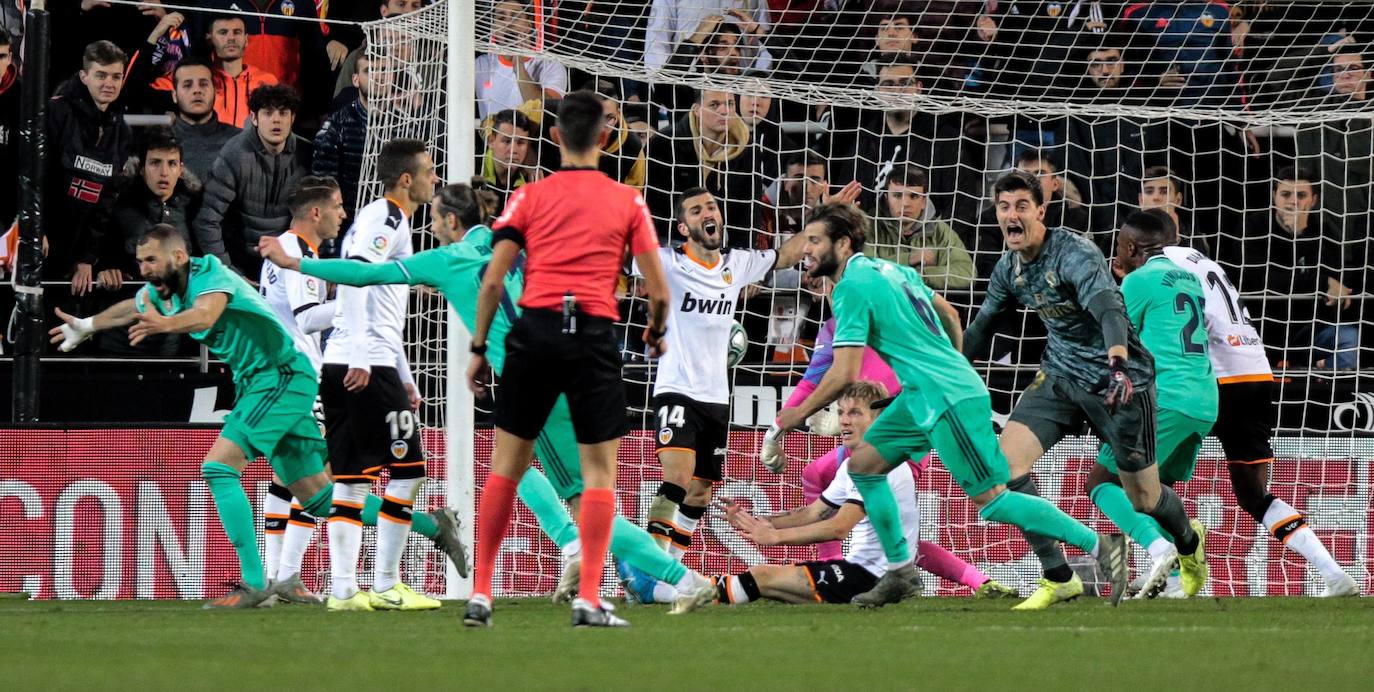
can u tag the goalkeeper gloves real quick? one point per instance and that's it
(824, 422)
(75, 332)
(771, 454)
(1119, 387)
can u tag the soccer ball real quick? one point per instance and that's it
(739, 343)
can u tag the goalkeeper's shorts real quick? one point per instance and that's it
(273, 418)
(1053, 407)
(962, 436)
(1178, 438)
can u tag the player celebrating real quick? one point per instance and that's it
(1093, 364)
(1247, 414)
(943, 405)
(692, 388)
(1165, 306)
(300, 302)
(574, 226)
(455, 269)
(369, 395)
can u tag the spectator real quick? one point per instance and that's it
(909, 233)
(246, 191)
(803, 185)
(235, 79)
(1306, 273)
(1036, 37)
(670, 22)
(708, 147)
(197, 126)
(508, 81)
(348, 43)
(1189, 48)
(506, 163)
(288, 46)
(775, 147)
(729, 44)
(148, 82)
(894, 40)
(9, 131)
(1161, 189)
(340, 142)
(89, 141)
(636, 117)
(622, 156)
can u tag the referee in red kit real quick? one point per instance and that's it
(574, 227)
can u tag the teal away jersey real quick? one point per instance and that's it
(888, 307)
(247, 337)
(1165, 305)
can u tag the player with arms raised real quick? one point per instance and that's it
(1093, 364)
(574, 227)
(691, 401)
(943, 404)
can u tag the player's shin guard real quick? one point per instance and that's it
(735, 589)
(493, 518)
(881, 506)
(688, 517)
(345, 537)
(1053, 564)
(300, 530)
(594, 530)
(1288, 526)
(538, 494)
(663, 515)
(276, 512)
(933, 558)
(236, 516)
(635, 546)
(393, 527)
(1173, 519)
(1142, 528)
(1036, 515)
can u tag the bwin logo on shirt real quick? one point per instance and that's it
(707, 306)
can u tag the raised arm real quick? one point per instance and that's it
(844, 369)
(201, 316)
(75, 330)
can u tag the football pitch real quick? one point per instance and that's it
(1205, 644)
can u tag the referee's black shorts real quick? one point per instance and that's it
(543, 362)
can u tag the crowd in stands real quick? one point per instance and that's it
(255, 102)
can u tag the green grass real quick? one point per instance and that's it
(1249, 644)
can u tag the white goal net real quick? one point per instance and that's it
(1247, 122)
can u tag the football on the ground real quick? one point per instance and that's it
(739, 343)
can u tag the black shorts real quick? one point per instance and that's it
(372, 429)
(838, 581)
(543, 362)
(1246, 418)
(1053, 407)
(686, 425)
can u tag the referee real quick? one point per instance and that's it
(574, 227)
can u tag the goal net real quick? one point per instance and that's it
(1247, 122)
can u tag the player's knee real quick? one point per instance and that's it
(214, 471)
(699, 492)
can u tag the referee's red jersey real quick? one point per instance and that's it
(574, 226)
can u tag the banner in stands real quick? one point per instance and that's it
(123, 513)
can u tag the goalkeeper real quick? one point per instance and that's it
(456, 270)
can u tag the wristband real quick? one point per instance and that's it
(655, 334)
(85, 324)
(478, 349)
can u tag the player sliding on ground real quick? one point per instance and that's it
(456, 269)
(1093, 365)
(1243, 404)
(943, 405)
(274, 383)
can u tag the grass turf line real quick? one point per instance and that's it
(1204, 644)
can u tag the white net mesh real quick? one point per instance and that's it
(1247, 122)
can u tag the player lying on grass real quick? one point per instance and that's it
(275, 389)
(456, 269)
(817, 475)
(944, 405)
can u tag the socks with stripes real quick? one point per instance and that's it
(300, 531)
(276, 511)
(1288, 526)
(393, 527)
(881, 506)
(735, 589)
(1053, 564)
(236, 516)
(493, 518)
(688, 517)
(594, 530)
(420, 522)
(346, 537)
(663, 518)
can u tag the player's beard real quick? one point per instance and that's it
(707, 240)
(824, 266)
(170, 283)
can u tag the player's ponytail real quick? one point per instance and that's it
(460, 200)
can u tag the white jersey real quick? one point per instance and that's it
(497, 88)
(701, 312)
(297, 298)
(864, 548)
(1234, 346)
(369, 322)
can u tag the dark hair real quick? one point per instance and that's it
(277, 96)
(310, 191)
(462, 200)
(808, 158)
(909, 175)
(216, 18)
(5, 38)
(1163, 172)
(1294, 173)
(398, 157)
(512, 117)
(1153, 226)
(193, 61)
(1013, 181)
(103, 53)
(701, 94)
(602, 88)
(579, 121)
(842, 220)
(1034, 155)
(681, 207)
(165, 234)
(159, 139)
